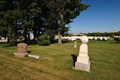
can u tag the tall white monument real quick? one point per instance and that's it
(83, 62)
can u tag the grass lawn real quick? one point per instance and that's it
(56, 62)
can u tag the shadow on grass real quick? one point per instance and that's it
(63, 41)
(29, 52)
(66, 41)
(97, 41)
(5, 44)
(53, 42)
(74, 59)
(30, 42)
(115, 42)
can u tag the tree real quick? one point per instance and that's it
(64, 30)
(29, 10)
(118, 33)
(64, 11)
(26, 18)
(39, 16)
(7, 23)
(24, 12)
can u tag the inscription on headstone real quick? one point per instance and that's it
(21, 48)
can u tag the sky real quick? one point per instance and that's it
(102, 16)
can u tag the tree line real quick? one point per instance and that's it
(110, 34)
(103, 34)
(20, 17)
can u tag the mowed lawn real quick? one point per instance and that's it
(56, 62)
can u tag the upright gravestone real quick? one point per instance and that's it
(75, 46)
(83, 62)
(21, 50)
(95, 38)
(101, 38)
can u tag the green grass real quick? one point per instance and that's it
(56, 62)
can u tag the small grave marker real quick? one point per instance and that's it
(75, 44)
(21, 50)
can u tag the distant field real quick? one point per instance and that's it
(56, 62)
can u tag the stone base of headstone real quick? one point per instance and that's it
(75, 46)
(82, 66)
(20, 55)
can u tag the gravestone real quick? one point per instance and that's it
(101, 38)
(83, 62)
(21, 50)
(95, 38)
(75, 44)
(105, 38)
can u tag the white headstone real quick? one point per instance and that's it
(95, 38)
(75, 44)
(83, 62)
(101, 38)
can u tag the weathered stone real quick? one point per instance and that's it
(83, 62)
(82, 66)
(84, 39)
(21, 50)
(21, 54)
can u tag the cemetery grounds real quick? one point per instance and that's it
(56, 62)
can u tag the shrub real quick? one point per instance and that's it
(51, 33)
(43, 40)
(13, 40)
(66, 41)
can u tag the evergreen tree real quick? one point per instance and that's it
(6, 19)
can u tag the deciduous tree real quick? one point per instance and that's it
(64, 11)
